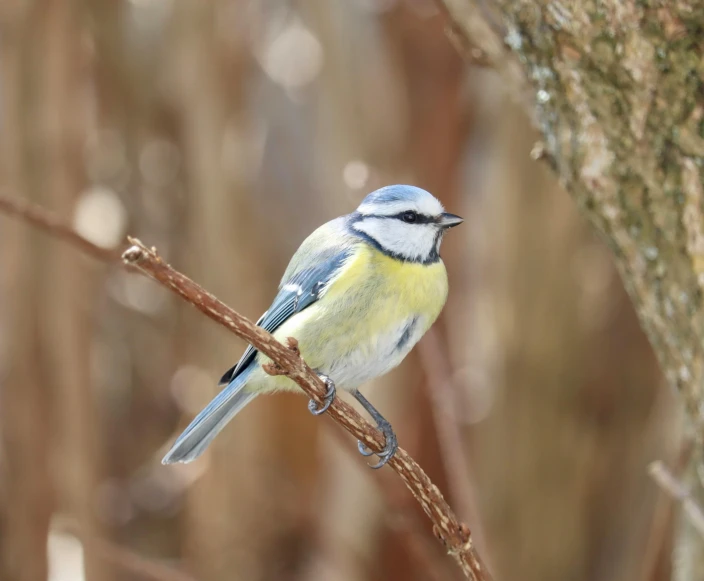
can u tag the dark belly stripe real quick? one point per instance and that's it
(407, 332)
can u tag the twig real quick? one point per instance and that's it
(678, 491)
(404, 521)
(662, 515)
(455, 535)
(48, 222)
(468, 50)
(420, 549)
(439, 381)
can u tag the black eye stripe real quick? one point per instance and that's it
(419, 218)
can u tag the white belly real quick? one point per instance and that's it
(352, 363)
(375, 357)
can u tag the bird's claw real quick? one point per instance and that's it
(389, 449)
(327, 400)
(363, 449)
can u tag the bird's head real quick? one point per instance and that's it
(405, 222)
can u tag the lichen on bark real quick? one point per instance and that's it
(616, 88)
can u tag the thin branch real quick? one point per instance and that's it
(462, 43)
(437, 367)
(403, 520)
(51, 224)
(419, 548)
(662, 516)
(678, 491)
(455, 535)
(452, 533)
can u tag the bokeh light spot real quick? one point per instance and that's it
(65, 557)
(100, 217)
(292, 58)
(355, 174)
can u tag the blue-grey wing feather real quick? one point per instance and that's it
(300, 290)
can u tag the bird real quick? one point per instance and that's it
(357, 295)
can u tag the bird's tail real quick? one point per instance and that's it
(208, 423)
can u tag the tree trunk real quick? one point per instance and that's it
(616, 89)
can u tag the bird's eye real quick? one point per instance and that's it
(409, 217)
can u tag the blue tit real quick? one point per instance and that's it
(357, 295)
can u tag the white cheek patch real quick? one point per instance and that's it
(412, 241)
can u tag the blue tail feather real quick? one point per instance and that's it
(208, 423)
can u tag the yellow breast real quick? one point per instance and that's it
(354, 331)
(395, 288)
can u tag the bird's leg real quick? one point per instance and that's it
(382, 423)
(327, 400)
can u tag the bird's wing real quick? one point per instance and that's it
(311, 268)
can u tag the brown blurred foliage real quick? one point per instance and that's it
(223, 132)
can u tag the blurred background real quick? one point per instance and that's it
(223, 132)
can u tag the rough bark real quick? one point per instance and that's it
(575, 407)
(618, 96)
(616, 89)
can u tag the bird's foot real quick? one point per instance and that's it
(389, 449)
(327, 400)
(391, 444)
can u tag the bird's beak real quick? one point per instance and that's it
(450, 220)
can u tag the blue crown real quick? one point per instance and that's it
(396, 193)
